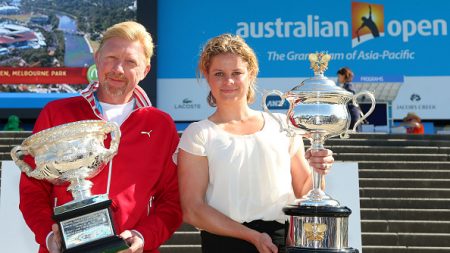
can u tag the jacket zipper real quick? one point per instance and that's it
(150, 205)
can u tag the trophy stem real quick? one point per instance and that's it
(317, 197)
(317, 141)
(80, 189)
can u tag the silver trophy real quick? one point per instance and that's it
(74, 153)
(318, 111)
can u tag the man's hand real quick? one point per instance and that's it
(134, 240)
(54, 240)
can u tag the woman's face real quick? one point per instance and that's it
(340, 78)
(228, 79)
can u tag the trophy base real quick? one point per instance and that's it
(307, 250)
(87, 226)
(111, 244)
(316, 197)
(317, 211)
(317, 228)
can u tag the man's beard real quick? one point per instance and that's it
(114, 91)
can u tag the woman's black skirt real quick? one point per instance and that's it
(212, 243)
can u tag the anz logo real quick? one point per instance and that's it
(273, 102)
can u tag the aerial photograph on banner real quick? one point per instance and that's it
(47, 46)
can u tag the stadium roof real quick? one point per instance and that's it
(12, 33)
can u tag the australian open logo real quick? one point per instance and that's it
(187, 104)
(367, 22)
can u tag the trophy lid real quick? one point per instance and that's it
(319, 84)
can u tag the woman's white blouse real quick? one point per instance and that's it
(249, 175)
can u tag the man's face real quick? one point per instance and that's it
(121, 66)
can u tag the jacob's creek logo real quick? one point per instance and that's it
(415, 97)
(368, 22)
(187, 104)
(416, 104)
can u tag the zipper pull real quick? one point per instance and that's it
(150, 204)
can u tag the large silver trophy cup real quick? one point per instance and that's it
(318, 111)
(73, 153)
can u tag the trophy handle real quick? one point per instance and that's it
(16, 154)
(266, 109)
(372, 107)
(345, 135)
(113, 128)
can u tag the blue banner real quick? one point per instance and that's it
(379, 37)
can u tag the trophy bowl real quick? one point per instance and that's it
(73, 153)
(318, 111)
(68, 153)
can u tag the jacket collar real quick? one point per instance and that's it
(139, 95)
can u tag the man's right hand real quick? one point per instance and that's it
(54, 240)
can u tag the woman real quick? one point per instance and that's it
(236, 169)
(345, 78)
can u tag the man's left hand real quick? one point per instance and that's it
(134, 240)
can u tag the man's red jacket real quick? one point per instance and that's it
(143, 186)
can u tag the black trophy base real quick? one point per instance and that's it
(111, 244)
(309, 250)
(89, 220)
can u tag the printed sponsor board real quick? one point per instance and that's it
(374, 38)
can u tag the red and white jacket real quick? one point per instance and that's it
(143, 186)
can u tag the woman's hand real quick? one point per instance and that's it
(264, 244)
(321, 160)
